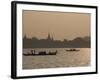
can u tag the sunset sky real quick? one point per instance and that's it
(61, 25)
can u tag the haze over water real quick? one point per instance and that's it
(62, 59)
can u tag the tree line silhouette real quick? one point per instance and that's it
(49, 42)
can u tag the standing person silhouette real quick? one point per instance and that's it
(32, 52)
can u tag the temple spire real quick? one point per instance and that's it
(49, 36)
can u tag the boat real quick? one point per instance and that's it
(72, 50)
(53, 53)
(40, 53)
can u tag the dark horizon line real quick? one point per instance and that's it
(49, 42)
(54, 38)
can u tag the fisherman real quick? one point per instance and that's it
(32, 52)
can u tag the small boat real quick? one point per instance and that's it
(72, 50)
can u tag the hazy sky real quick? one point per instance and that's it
(59, 24)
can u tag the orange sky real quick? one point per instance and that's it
(60, 25)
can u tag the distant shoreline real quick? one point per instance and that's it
(51, 43)
(58, 47)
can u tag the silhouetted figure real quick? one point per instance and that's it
(73, 50)
(34, 52)
(31, 51)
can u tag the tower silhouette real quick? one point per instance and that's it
(49, 38)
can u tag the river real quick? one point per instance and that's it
(63, 58)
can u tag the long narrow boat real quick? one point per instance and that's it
(41, 53)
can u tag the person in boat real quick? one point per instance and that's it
(32, 52)
(72, 50)
(75, 50)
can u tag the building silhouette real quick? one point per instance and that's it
(49, 42)
(49, 38)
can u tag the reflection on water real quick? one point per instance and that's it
(63, 58)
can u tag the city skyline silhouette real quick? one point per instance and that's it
(50, 42)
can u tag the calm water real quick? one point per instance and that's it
(62, 59)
